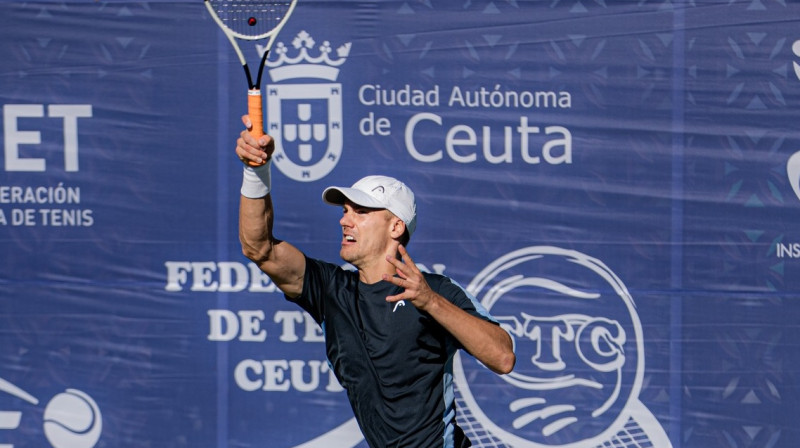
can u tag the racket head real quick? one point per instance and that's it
(251, 19)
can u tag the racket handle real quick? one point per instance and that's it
(256, 114)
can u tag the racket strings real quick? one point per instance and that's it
(250, 18)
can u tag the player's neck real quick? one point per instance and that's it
(373, 272)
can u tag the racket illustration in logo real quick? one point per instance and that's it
(796, 51)
(71, 419)
(580, 358)
(305, 120)
(793, 172)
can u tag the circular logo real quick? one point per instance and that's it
(578, 342)
(72, 420)
(796, 51)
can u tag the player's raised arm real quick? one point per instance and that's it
(284, 263)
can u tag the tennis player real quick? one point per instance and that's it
(390, 330)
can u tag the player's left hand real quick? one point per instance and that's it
(410, 278)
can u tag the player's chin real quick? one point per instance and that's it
(348, 252)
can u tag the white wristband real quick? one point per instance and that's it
(257, 182)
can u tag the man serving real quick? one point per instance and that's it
(391, 331)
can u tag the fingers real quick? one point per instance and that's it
(406, 267)
(403, 283)
(404, 254)
(402, 280)
(410, 278)
(397, 281)
(408, 274)
(396, 298)
(406, 263)
(248, 148)
(398, 267)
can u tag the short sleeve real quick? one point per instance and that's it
(318, 279)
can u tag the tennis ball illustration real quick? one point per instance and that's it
(72, 420)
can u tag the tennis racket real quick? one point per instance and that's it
(251, 20)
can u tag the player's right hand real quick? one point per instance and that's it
(250, 149)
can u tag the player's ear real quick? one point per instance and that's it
(398, 227)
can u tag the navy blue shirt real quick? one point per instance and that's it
(394, 361)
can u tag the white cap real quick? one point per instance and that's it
(378, 192)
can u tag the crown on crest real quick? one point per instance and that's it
(303, 64)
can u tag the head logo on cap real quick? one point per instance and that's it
(378, 192)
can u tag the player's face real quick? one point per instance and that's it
(366, 234)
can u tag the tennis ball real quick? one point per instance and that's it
(252, 21)
(72, 420)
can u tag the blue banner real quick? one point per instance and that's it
(617, 182)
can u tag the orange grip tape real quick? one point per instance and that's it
(256, 114)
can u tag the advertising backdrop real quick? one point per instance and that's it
(618, 182)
